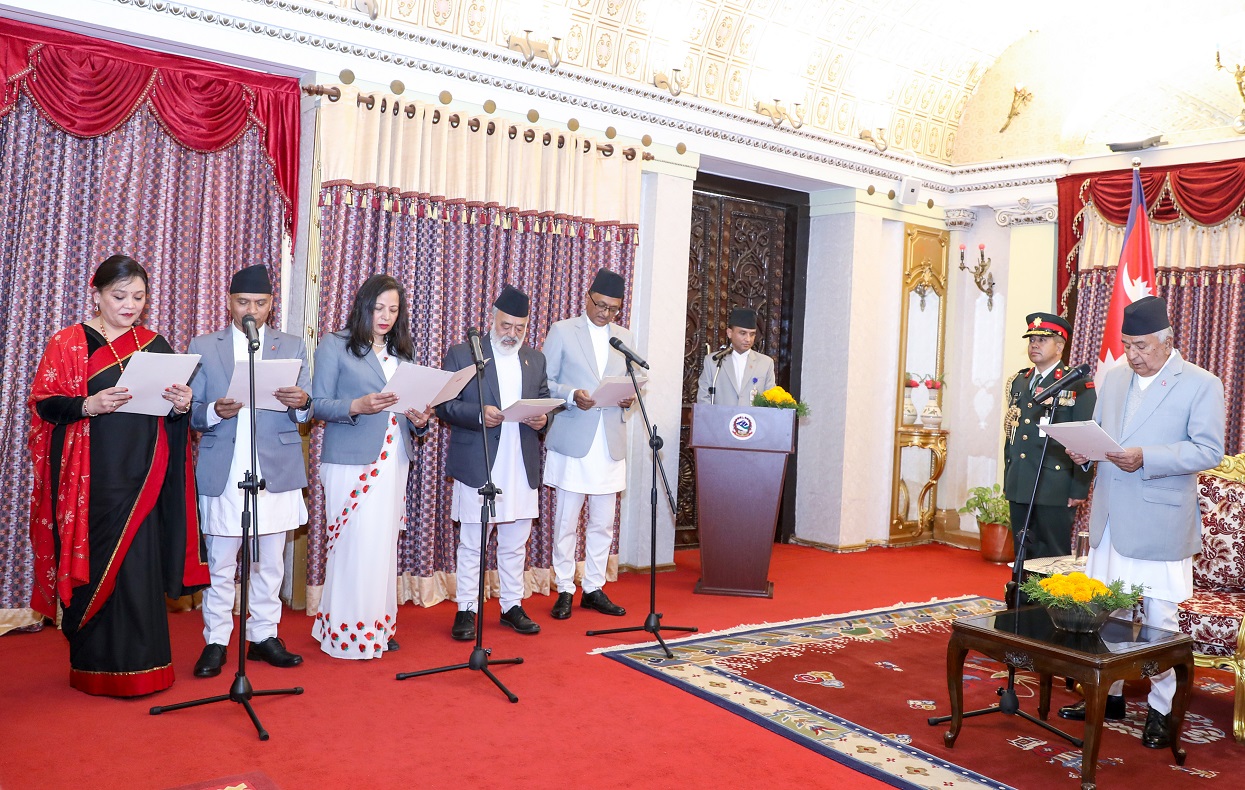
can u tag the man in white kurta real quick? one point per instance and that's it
(587, 444)
(224, 457)
(514, 372)
(1168, 416)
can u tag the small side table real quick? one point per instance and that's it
(1026, 639)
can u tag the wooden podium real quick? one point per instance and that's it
(741, 463)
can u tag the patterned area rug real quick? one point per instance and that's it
(858, 688)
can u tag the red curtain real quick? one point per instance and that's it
(89, 87)
(1207, 193)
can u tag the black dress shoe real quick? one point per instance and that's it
(1157, 734)
(562, 609)
(210, 661)
(392, 645)
(464, 629)
(273, 651)
(597, 600)
(1116, 709)
(517, 619)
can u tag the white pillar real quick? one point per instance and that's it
(659, 321)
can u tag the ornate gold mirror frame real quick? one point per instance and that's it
(924, 291)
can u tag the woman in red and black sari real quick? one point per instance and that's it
(113, 522)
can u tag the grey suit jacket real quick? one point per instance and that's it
(573, 366)
(1179, 426)
(277, 442)
(340, 378)
(759, 369)
(466, 455)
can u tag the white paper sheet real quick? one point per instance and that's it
(613, 389)
(420, 387)
(147, 375)
(1085, 437)
(270, 376)
(530, 407)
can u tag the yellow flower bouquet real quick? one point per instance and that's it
(778, 398)
(1076, 602)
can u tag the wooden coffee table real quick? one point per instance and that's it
(1025, 638)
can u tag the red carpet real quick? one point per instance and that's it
(835, 684)
(582, 720)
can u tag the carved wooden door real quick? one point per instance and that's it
(741, 255)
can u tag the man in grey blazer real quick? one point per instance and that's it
(514, 371)
(225, 454)
(587, 445)
(735, 374)
(1168, 416)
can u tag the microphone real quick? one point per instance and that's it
(1073, 377)
(635, 358)
(721, 353)
(252, 331)
(473, 336)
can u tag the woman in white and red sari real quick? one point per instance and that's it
(113, 522)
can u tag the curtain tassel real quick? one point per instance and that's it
(419, 209)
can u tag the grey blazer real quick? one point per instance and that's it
(277, 442)
(1179, 426)
(466, 455)
(759, 368)
(573, 366)
(340, 378)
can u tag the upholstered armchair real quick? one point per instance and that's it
(1215, 616)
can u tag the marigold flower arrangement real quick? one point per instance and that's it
(1068, 590)
(778, 398)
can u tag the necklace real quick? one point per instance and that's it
(104, 331)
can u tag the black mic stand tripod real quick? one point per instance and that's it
(1009, 703)
(480, 656)
(240, 691)
(652, 623)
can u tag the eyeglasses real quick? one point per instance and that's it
(605, 308)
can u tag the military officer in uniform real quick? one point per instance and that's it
(1064, 485)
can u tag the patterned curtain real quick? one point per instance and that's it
(68, 202)
(454, 240)
(1201, 276)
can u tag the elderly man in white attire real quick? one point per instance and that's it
(586, 447)
(1168, 416)
(514, 371)
(225, 452)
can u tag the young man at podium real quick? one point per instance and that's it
(735, 374)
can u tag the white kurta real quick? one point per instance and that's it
(597, 472)
(222, 515)
(518, 500)
(365, 505)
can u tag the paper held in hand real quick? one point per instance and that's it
(530, 407)
(147, 375)
(270, 376)
(1085, 437)
(613, 389)
(420, 387)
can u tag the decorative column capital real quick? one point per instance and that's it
(1026, 213)
(960, 218)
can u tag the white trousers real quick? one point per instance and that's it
(1158, 614)
(265, 593)
(598, 535)
(511, 557)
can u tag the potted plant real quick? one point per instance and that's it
(1077, 603)
(993, 513)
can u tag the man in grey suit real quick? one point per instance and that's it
(736, 374)
(514, 371)
(225, 453)
(1168, 416)
(587, 445)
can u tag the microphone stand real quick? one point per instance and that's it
(713, 388)
(1008, 701)
(652, 623)
(240, 691)
(479, 659)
